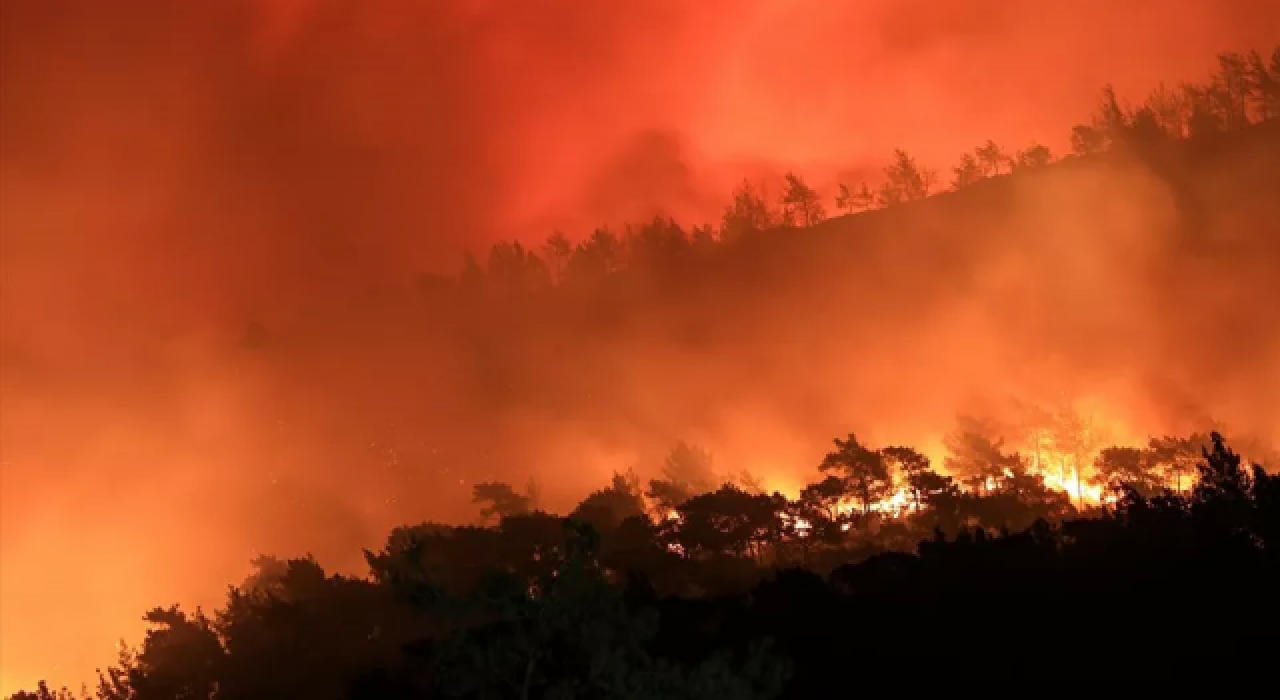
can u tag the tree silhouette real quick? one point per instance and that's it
(533, 492)
(1232, 90)
(1087, 139)
(746, 481)
(1266, 77)
(1127, 465)
(514, 270)
(1232, 500)
(499, 500)
(850, 200)
(1110, 118)
(1033, 156)
(557, 251)
(596, 258)
(905, 181)
(801, 203)
(1075, 439)
(915, 469)
(865, 473)
(657, 246)
(1203, 118)
(605, 509)
(728, 521)
(821, 500)
(748, 211)
(1026, 487)
(181, 656)
(1108, 126)
(1144, 127)
(932, 488)
(1170, 110)
(42, 692)
(702, 238)
(687, 470)
(975, 454)
(991, 158)
(967, 172)
(1177, 456)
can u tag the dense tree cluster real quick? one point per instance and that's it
(728, 598)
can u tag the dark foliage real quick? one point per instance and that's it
(538, 607)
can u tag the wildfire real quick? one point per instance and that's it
(1054, 469)
(1078, 487)
(802, 527)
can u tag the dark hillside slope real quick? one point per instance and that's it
(1214, 197)
(1093, 263)
(1139, 276)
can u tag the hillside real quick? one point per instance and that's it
(1094, 262)
(1129, 281)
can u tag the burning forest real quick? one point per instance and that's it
(501, 351)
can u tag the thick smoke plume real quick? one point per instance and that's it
(172, 173)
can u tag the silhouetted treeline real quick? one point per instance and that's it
(775, 265)
(1243, 90)
(637, 336)
(714, 601)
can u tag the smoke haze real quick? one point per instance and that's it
(172, 171)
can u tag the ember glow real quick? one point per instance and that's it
(215, 217)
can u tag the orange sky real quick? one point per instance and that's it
(255, 148)
(168, 169)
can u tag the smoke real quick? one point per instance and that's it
(232, 152)
(170, 171)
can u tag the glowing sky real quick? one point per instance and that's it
(168, 169)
